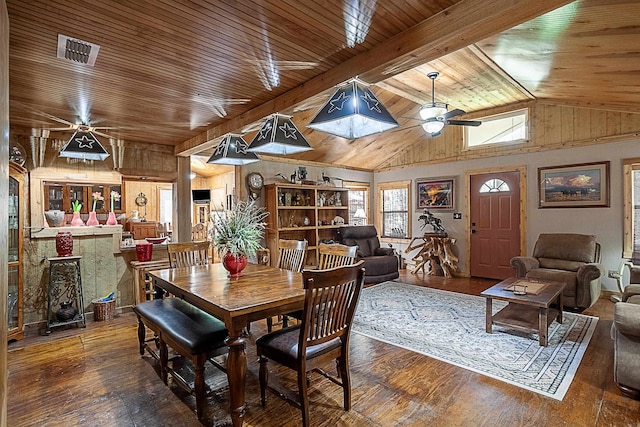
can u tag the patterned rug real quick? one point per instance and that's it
(450, 327)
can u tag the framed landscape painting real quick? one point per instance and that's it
(574, 186)
(435, 193)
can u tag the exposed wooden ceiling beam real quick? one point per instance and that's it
(464, 23)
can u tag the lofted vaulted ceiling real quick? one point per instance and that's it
(185, 73)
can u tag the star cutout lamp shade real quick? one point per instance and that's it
(353, 112)
(232, 150)
(279, 135)
(84, 145)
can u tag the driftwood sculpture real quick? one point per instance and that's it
(434, 250)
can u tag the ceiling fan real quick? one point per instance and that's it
(82, 125)
(435, 116)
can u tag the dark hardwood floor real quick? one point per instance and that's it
(95, 377)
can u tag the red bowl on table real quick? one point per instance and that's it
(155, 240)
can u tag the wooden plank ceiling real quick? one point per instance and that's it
(184, 73)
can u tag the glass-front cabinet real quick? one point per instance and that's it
(59, 196)
(16, 214)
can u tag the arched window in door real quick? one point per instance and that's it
(494, 185)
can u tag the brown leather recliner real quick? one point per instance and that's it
(380, 264)
(570, 258)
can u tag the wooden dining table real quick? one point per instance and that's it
(261, 292)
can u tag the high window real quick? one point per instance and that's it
(506, 128)
(394, 200)
(631, 184)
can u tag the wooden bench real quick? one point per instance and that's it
(190, 332)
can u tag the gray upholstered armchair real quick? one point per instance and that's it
(570, 258)
(380, 264)
(626, 335)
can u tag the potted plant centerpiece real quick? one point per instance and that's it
(237, 234)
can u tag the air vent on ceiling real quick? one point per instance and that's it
(77, 50)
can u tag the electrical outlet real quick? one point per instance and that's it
(457, 215)
(613, 274)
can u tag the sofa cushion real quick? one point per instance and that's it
(378, 265)
(560, 264)
(566, 246)
(568, 277)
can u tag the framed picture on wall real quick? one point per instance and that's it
(583, 185)
(436, 194)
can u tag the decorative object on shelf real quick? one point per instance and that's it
(92, 220)
(435, 223)
(66, 311)
(279, 135)
(115, 197)
(84, 145)
(352, 112)
(255, 182)
(338, 220)
(238, 233)
(76, 221)
(55, 218)
(64, 243)
(306, 221)
(17, 154)
(232, 150)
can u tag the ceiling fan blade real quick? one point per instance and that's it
(451, 113)
(463, 122)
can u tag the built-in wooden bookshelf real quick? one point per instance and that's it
(304, 212)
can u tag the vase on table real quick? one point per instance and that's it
(64, 243)
(66, 311)
(92, 219)
(112, 219)
(76, 221)
(234, 264)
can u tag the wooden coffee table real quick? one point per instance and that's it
(531, 312)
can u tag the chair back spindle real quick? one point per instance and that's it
(336, 255)
(188, 254)
(291, 254)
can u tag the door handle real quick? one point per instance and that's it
(473, 231)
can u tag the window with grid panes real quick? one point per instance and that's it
(632, 209)
(358, 199)
(394, 209)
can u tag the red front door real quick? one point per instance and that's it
(495, 223)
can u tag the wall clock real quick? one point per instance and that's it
(255, 182)
(141, 200)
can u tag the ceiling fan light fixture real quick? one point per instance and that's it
(433, 127)
(232, 150)
(279, 135)
(353, 111)
(432, 110)
(85, 146)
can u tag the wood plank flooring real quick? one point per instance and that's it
(95, 377)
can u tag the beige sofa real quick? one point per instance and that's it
(626, 335)
(570, 258)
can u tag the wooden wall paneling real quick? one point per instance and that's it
(552, 119)
(581, 124)
(613, 123)
(566, 113)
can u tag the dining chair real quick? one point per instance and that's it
(198, 232)
(187, 254)
(335, 255)
(291, 256)
(331, 297)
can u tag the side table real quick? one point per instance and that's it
(65, 285)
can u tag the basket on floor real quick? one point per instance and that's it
(103, 310)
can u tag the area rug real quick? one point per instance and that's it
(450, 327)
